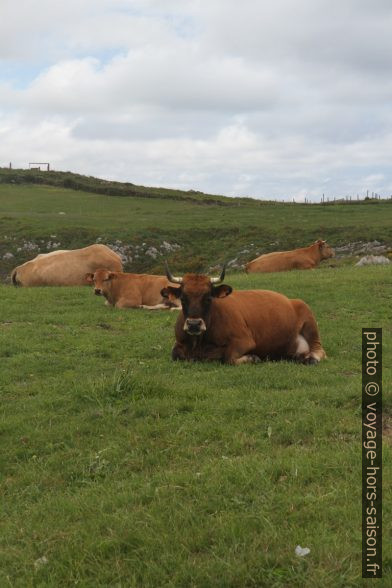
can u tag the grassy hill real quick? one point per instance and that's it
(205, 230)
(79, 182)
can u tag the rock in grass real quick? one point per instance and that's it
(373, 260)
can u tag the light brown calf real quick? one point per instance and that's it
(133, 290)
(280, 261)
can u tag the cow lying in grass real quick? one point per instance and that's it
(133, 290)
(280, 261)
(244, 326)
(65, 267)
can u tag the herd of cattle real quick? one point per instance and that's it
(215, 323)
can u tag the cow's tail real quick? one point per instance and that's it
(14, 279)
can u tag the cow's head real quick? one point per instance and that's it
(325, 250)
(196, 293)
(101, 280)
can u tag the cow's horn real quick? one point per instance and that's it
(221, 277)
(170, 276)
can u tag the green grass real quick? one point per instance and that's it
(207, 234)
(40, 207)
(75, 181)
(124, 468)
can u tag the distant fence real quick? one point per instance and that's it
(108, 188)
(37, 166)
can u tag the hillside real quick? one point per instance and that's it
(74, 181)
(41, 211)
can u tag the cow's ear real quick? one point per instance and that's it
(176, 292)
(320, 242)
(89, 278)
(221, 291)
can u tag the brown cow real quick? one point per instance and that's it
(65, 268)
(244, 326)
(280, 261)
(133, 290)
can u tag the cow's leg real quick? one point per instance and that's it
(246, 359)
(194, 352)
(240, 351)
(311, 334)
(124, 303)
(308, 348)
(179, 352)
(161, 306)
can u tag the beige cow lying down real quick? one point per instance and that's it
(65, 267)
(133, 290)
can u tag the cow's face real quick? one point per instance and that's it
(101, 280)
(196, 293)
(325, 250)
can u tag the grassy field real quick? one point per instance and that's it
(208, 234)
(38, 207)
(122, 468)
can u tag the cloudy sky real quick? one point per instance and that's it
(275, 99)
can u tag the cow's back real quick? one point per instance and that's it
(151, 287)
(268, 316)
(66, 268)
(133, 290)
(280, 261)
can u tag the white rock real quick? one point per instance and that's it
(302, 551)
(152, 252)
(41, 561)
(373, 260)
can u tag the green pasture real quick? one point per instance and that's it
(208, 234)
(38, 207)
(120, 467)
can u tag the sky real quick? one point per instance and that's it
(284, 99)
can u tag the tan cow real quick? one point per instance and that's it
(244, 326)
(65, 268)
(281, 261)
(133, 290)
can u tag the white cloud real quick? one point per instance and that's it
(282, 99)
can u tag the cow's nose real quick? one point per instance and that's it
(98, 291)
(194, 325)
